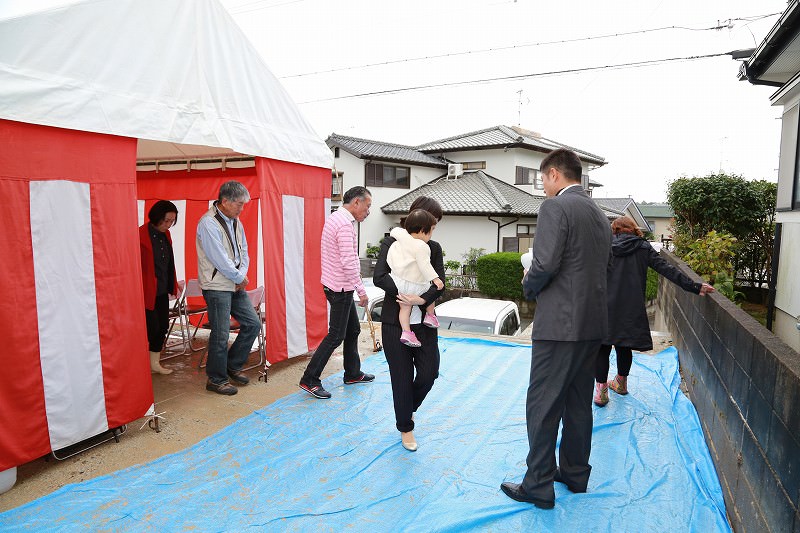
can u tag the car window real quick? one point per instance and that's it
(376, 311)
(510, 324)
(466, 324)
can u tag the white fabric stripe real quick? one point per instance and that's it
(179, 239)
(293, 260)
(69, 341)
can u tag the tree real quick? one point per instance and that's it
(727, 204)
(720, 202)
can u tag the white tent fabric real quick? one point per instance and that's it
(164, 70)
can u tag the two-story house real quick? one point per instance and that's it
(487, 182)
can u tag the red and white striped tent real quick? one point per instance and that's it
(88, 92)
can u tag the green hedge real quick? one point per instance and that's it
(500, 275)
(651, 291)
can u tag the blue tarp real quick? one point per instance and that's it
(302, 464)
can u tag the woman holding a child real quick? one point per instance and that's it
(413, 366)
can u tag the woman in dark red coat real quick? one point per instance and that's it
(158, 276)
(628, 327)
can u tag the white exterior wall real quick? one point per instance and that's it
(372, 230)
(663, 226)
(787, 284)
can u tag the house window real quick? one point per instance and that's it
(474, 165)
(336, 185)
(529, 176)
(523, 229)
(380, 175)
(336, 151)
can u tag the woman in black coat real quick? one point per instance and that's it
(412, 370)
(628, 327)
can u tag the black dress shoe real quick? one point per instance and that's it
(515, 492)
(238, 377)
(572, 488)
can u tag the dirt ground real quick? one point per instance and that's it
(190, 413)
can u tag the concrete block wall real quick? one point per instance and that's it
(745, 384)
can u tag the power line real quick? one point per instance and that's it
(720, 25)
(619, 66)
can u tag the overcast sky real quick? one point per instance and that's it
(652, 123)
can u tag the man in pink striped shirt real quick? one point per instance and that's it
(341, 276)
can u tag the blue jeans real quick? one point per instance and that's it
(221, 306)
(342, 327)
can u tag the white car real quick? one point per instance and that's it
(479, 315)
(374, 302)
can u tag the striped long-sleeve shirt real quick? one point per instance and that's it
(341, 269)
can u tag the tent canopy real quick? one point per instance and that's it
(156, 70)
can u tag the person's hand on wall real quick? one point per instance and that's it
(705, 288)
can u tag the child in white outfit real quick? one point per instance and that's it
(409, 257)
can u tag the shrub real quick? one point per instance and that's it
(712, 254)
(500, 275)
(373, 251)
(651, 290)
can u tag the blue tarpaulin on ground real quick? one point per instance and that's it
(302, 464)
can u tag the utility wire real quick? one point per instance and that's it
(720, 26)
(619, 66)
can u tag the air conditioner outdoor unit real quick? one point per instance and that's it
(454, 170)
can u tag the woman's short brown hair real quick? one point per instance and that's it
(625, 225)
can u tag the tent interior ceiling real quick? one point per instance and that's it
(148, 150)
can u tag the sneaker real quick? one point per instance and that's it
(619, 384)
(364, 378)
(316, 392)
(222, 388)
(409, 338)
(239, 377)
(431, 321)
(600, 394)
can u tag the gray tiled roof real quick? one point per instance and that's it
(473, 193)
(498, 136)
(366, 149)
(656, 210)
(616, 204)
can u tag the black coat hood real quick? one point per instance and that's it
(623, 244)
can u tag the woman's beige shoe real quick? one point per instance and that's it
(155, 365)
(409, 443)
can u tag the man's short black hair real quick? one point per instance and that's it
(565, 161)
(355, 192)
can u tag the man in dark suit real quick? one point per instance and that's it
(567, 277)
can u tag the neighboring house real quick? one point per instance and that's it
(625, 206)
(776, 62)
(487, 182)
(659, 218)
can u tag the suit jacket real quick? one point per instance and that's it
(567, 277)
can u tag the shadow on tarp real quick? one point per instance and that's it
(302, 464)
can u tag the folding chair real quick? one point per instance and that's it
(257, 300)
(193, 308)
(176, 319)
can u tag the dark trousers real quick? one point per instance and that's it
(157, 323)
(624, 362)
(412, 370)
(343, 326)
(560, 390)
